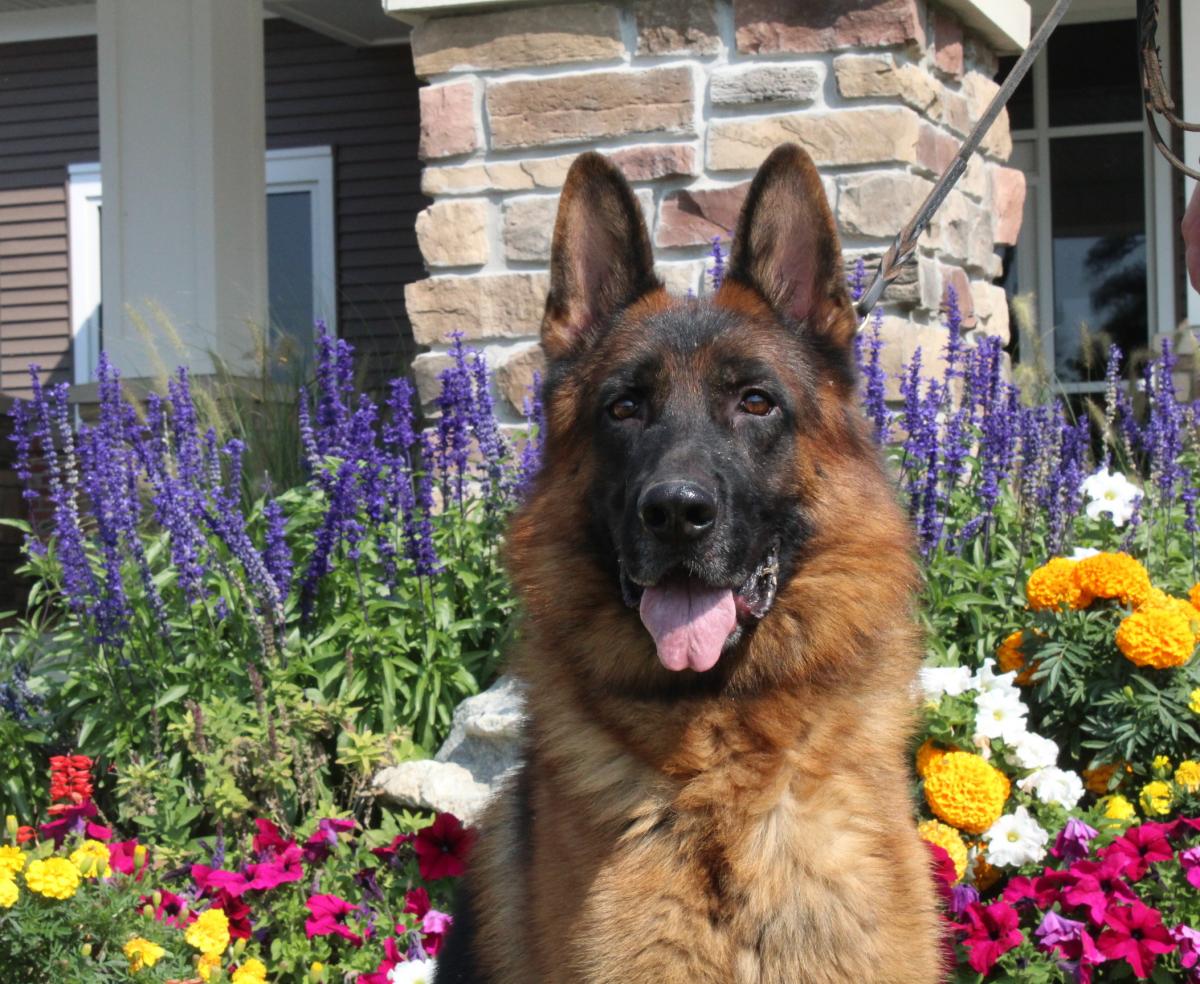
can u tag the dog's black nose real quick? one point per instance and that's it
(677, 512)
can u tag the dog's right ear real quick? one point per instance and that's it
(601, 260)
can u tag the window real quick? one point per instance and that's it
(1093, 204)
(301, 260)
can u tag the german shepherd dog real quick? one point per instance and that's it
(718, 638)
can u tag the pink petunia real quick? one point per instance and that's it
(991, 931)
(121, 858)
(269, 841)
(1135, 934)
(1190, 860)
(329, 914)
(170, 909)
(1188, 941)
(1097, 885)
(285, 868)
(442, 848)
(212, 880)
(325, 838)
(74, 818)
(1138, 848)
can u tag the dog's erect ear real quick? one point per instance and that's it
(601, 259)
(787, 247)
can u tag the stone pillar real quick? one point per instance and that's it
(182, 150)
(688, 97)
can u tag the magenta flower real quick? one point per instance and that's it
(1135, 934)
(1069, 937)
(1043, 891)
(1190, 860)
(269, 840)
(325, 838)
(329, 914)
(390, 852)
(1074, 841)
(1097, 885)
(392, 956)
(120, 858)
(442, 848)
(284, 868)
(74, 818)
(1138, 848)
(1188, 941)
(212, 880)
(992, 931)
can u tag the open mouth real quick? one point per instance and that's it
(692, 621)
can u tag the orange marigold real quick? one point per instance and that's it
(965, 791)
(1053, 584)
(1011, 656)
(927, 754)
(1113, 575)
(1159, 636)
(984, 874)
(1194, 596)
(1096, 780)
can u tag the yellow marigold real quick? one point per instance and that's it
(142, 953)
(949, 840)
(252, 971)
(1053, 584)
(12, 860)
(210, 932)
(1118, 808)
(1157, 636)
(1113, 575)
(965, 791)
(1156, 798)
(1187, 776)
(1161, 762)
(9, 893)
(55, 878)
(206, 963)
(927, 754)
(91, 858)
(1194, 701)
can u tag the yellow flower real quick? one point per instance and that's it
(91, 858)
(1113, 575)
(949, 840)
(1187, 775)
(206, 963)
(209, 933)
(55, 878)
(1194, 596)
(1156, 798)
(1053, 584)
(965, 791)
(927, 754)
(12, 860)
(142, 953)
(252, 971)
(1161, 762)
(8, 893)
(1194, 701)
(1118, 808)
(1158, 636)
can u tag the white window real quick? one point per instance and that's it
(1097, 206)
(301, 255)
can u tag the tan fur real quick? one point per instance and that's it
(755, 832)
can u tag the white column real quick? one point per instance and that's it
(1189, 26)
(183, 225)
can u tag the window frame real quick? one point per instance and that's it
(289, 169)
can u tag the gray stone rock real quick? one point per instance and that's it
(764, 84)
(431, 785)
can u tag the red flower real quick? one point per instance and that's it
(70, 778)
(1097, 885)
(944, 872)
(25, 834)
(169, 908)
(269, 840)
(284, 868)
(237, 912)
(1138, 848)
(1135, 934)
(329, 918)
(1043, 891)
(442, 847)
(992, 932)
(72, 819)
(390, 851)
(120, 857)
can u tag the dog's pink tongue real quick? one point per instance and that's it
(689, 623)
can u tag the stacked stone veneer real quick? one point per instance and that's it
(688, 97)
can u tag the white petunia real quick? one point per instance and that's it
(1111, 493)
(1054, 785)
(413, 972)
(987, 679)
(1083, 553)
(1034, 751)
(1016, 839)
(938, 680)
(1000, 714)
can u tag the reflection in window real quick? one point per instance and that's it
(290, 278)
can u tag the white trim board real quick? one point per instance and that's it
(48, 23)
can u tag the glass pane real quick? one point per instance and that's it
(1099, 228)
(1020, 106)
(1094, 73)
(290, 280)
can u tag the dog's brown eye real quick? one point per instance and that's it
(756, 403)
(623, 408)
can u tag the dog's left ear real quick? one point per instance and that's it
(600, 261)
(787, 247)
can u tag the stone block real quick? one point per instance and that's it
(956, 278)
(454, 233)
(979, 91)
(519, 37)
(1008, 204)
(776, 26)
(764, 85)
(952, 225)
(883, 135)
(528, 225)
(679, 278)
(947, 42)
(903, 292)
(487, 306)
(691, 217)
(514, 372)
(590, 106)
(878, 75)
(649, 162)
(901, 339)
(935, 150)
(426, 367)
(676, 27)
(991, 309)
(877, 204)
(448, 123)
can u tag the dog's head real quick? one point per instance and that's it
(692, 447)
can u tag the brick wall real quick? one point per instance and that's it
(688, 98)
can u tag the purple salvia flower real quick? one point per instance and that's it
(308, 439)
(858, 280)
(875, 389)
(1112, 382)
(954, 341)
(426, 562)
(493, 450)
(535, 437)
(716, 272)
(20, 436)
(277, 555)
